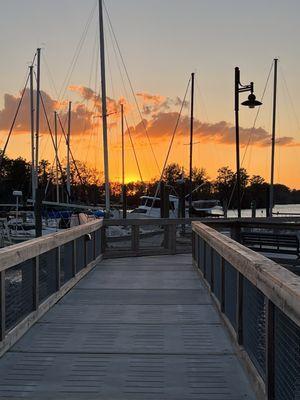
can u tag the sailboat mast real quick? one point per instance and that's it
(56, 156)
(271, 204)
(191, 139)
(37, 124)
(104, 111)
(68, 152)
(32, 134)
(123, 149)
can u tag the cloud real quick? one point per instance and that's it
(82, 117)
(162, 124)
(153, 104)
(160, 118)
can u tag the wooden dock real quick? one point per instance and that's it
(132, 328)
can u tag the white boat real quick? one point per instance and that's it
(207, 208)
(150, 208)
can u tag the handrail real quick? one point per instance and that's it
(277, 283)
(20, 252)
(259, 301)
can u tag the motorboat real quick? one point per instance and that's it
(149, 207)
(206, 208)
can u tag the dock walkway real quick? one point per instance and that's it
(133, 328)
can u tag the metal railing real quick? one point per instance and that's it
(142, 237)
(35, 274)
(260, 302)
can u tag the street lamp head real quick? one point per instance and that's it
(251, 102)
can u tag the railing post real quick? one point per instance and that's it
(135, 238)
(235, 231)
(103, 239)
(172, 238)
(222, 285)
(74, 258)
(212, 270)
(2, 305)
(239, 309)
(36, 296)
(58, 269)
(270, 359)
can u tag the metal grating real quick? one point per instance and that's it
(48, 270)
(287, 357)
(80, 253)
(217, 265)
(90, 248)
(66, 262)
(18, 293)
(230, 297)
(254, 324)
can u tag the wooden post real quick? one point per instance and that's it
(135, 238)
(74, 258)
(212, 279)
(38, 212)
(222, 285)
(162, 199)
(239, 309)
(2, 305)
(58, 267)
(36, 295)
(270, 367)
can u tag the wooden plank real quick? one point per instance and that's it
(18, 253)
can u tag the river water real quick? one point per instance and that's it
(284, 210)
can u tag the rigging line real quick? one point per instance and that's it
(50, 76)
(13, 122)
(133, 148)
(289, 96)
(71, 153)
(257, 112)
(16, 114)
(53, 142)
(131, 87)
(77, 53)
(252, 129)
(171, 143)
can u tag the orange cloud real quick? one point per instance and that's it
(161, 126)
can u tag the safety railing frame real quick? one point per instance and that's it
(280, 288)
(169, 236)
(15, 255)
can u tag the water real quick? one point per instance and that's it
(292, 210)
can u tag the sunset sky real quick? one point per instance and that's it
(161, 42)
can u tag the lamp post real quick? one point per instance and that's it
(251, 103)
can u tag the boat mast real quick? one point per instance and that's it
(68, 153)
(191, 139)
(123, 150)
(56, 156)
(271, 204)
(32, 134)
(123, 164)
(104, 112)
(37, 124)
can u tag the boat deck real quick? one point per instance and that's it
(133, 328)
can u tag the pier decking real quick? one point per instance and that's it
(133, 328)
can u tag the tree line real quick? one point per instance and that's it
(87, 186)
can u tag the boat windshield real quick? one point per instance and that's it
(148, 202)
